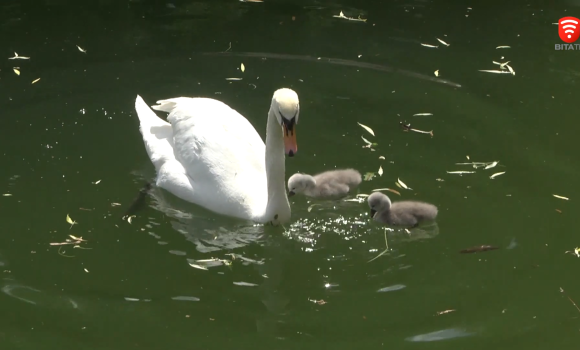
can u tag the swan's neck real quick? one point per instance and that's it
(278, 208)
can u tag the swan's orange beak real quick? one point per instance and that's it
(290, 146)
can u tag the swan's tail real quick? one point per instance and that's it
(157, 134)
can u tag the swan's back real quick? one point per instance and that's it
(207, 154)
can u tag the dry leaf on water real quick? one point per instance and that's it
(491, 165)
(16, 57)
(369, 176)
(70, 221)
(387, 189)
(367, 129)
(402, 184)
(564, 198)
(442, 42)
(496, 175)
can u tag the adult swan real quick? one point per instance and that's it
(210, 155)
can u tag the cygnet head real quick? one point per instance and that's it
(298, 183)
(378, 202)
(286, 108)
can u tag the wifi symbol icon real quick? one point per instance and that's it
(569, 29)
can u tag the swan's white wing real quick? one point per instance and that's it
(220, 158)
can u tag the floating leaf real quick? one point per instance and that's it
(87, 271)
(366, 141)
(460, 172)
(70, 221)
(35, 81)
(431, 46)
(115, 204)
(491, 165)
(510, 69)
(496, 175)
(81, 50)
(402, 184)
(436, 73)
(97, 182)
(503, 47)
(387, 189)
(420, 114)
(442, 42)
(16, 57)
(501, 65)
(367, 129)
(341, 15)
(369, 176)
(380, 171)
(198, 266)
(494, 71)
(242, 67)
(245, 284)
(80, 239)
(445, 312)
(564, 198)
(130, 218)
(7, 195)
(16, 71)
(381, 157)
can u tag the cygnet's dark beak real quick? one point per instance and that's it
(290, 146)
(291, 193)
(373, 212)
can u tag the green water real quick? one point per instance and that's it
(134, 287)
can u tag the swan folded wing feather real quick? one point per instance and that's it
(349, 177)
(420, 210)
(157, 134)
(222, 152)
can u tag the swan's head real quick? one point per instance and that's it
(298, 183)
(286, 108)
(378, 202)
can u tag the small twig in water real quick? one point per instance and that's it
(572, 301)
(384, 251)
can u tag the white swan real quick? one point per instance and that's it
(210, 155)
